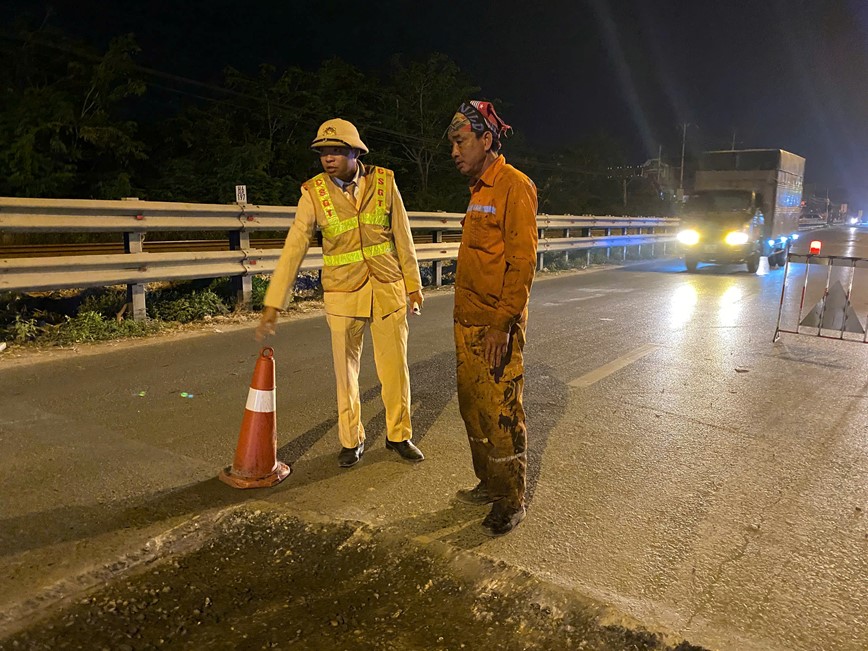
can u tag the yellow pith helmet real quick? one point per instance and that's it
(338, 133)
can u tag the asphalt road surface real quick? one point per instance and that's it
(684, 469)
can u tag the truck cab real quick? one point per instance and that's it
(723, 227)
(745, 205)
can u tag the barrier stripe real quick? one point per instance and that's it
(260, 401)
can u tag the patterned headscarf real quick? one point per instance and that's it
(479, 117)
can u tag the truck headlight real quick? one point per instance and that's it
(736, 238)
(688, 237)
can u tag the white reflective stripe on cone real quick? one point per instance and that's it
(260, 401)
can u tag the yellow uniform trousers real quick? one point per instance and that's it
(490, 402)
(389, 335)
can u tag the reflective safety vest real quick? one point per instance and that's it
(356, 241)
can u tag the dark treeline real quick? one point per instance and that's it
(80, 123)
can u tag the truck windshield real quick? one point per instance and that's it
(719, 201)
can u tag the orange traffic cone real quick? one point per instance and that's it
(255, 464)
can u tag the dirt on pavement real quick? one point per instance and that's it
(265, 579)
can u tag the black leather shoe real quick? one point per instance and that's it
(406, 449)
(349, 457)
(476, 496)
(502, 519)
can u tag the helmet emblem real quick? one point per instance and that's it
(329, 131)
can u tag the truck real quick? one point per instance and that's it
(745, 205)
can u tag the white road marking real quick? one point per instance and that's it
(595, 293)
(581, 298)
(572, 300)
(616, 365)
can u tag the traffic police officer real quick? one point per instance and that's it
(369, 271)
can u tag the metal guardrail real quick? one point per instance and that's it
(812, 224)
(23, 215)
(135, 219)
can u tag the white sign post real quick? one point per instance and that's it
(241, 194)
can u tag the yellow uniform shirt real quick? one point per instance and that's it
(377, 286)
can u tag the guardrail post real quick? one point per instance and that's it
(242, 286)
(624, 256)
(134, 243)
(438, 264)
(567, 253)
(608, 249)
(639, 248)
(539, 256)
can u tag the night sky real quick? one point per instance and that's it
(790, 74)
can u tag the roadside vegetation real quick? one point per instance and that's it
(65, 318)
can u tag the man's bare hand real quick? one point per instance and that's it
(496, 345)
(417, 299)
(267, 322)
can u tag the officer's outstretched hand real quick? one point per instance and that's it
(416, 300)
(267, 322)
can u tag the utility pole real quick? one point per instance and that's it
(659, 162)
(828, 206)
(683, 141)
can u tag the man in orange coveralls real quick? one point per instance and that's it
(496, 263)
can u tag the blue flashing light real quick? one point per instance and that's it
(783, 239)
(795, 236)
(771, 242)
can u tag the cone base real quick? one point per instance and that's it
(278, 474)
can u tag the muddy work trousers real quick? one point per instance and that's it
(490, 401)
